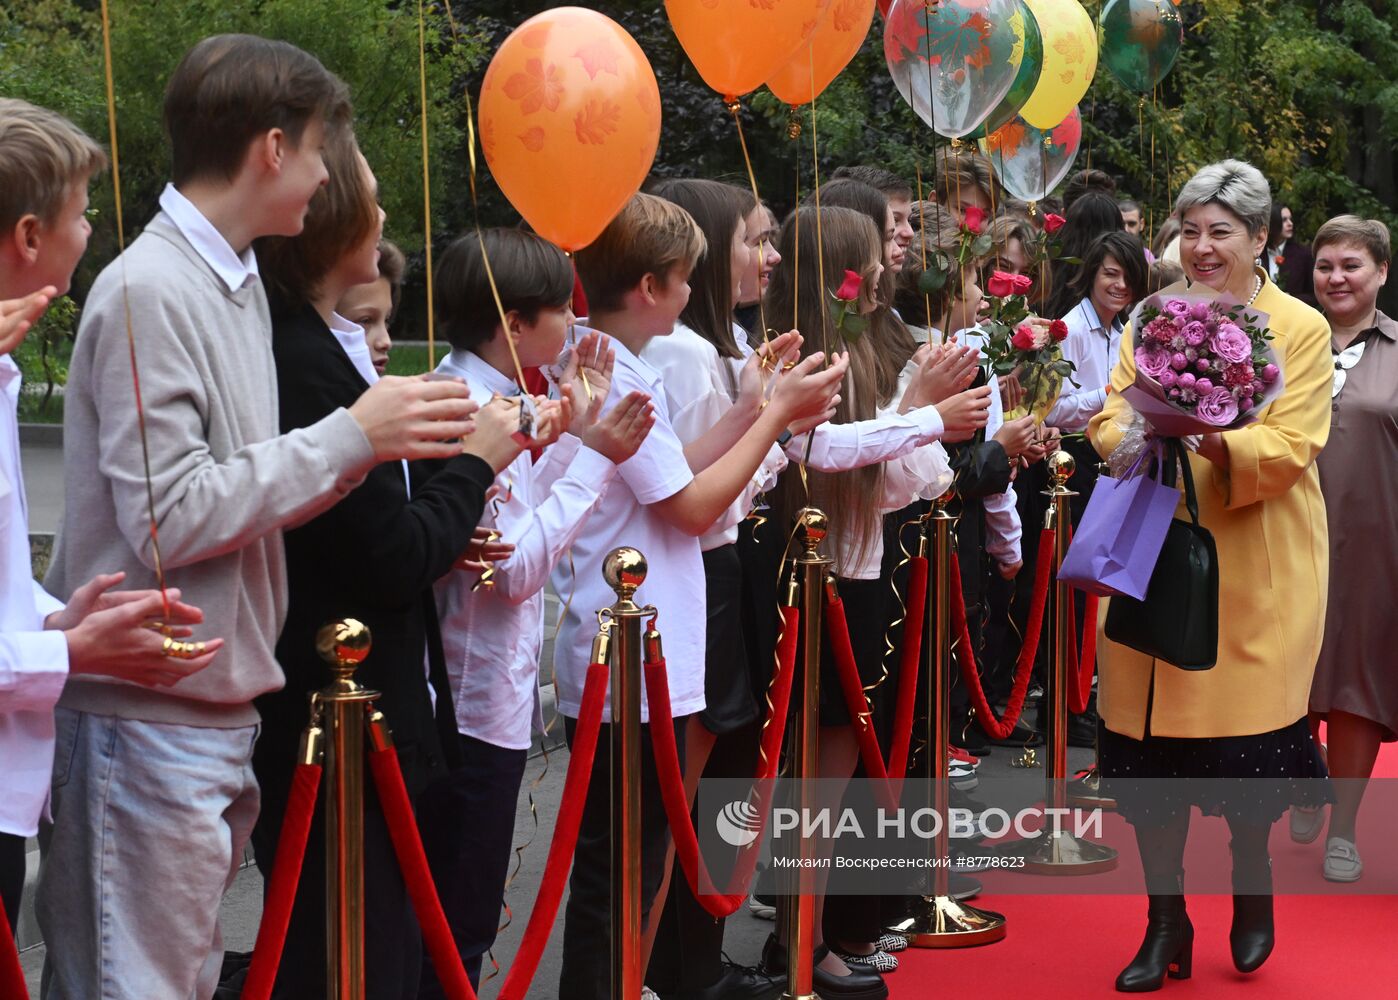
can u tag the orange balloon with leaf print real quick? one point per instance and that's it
(737, 45)
(569, 121)
(837, 38)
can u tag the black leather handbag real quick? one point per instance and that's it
(1178, 620)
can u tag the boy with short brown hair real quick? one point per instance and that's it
(45, 165)
(636, 278)
(156, 790)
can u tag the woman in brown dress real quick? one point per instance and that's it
(1355, 688)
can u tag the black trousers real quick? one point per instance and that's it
(392, 940)
(11, 876)
(468, 820)
(587, 948)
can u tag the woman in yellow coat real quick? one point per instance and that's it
(1259, 495)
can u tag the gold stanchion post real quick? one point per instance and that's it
(1056, 851)
(625, 570)
(1087, 790)
(344, 645)
(940, 921)
(799, 906)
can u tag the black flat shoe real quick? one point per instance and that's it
(861, 983)
(1253, 933)
(738, 982)
(1168, 948)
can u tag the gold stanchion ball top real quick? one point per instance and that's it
(814, 526)
(1061, 467)
(625, 570)
(344, 644)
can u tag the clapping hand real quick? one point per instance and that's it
(18, 315)
(942, 372)
(777, 356)
(128, 634)
(485, 547)
(622, 429)
(1018, 437)
(587, 378)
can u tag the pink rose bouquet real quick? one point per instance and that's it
(1204, 363)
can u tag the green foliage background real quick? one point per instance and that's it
(1305, 89)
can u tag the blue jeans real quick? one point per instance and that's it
(149, 825)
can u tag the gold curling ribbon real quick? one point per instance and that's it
(126, 306)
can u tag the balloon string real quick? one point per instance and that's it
(820, 243)
(426, 183)
(1154, 109)
(126, 306)
(922, 246)
(1091, 120)
(734, 108)
(796, 257)
(475, 211)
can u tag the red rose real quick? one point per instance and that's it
(1001, 284)
(1024, 337)
(1022, 283)
(1053, 223)
(1058, 330)
(849, 290)
(973, 218)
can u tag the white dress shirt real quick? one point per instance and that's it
(233, 269)
(1092, 348)
(351, 339)
(624, 516)
(493, 636)
(33, 662)
(700, 387)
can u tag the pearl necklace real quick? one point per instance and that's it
(1256, 288)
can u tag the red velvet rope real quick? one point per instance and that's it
(1081, 666)
(667, 762)
(407, 844)
(281, 888)
(908, 668)
(998, 728)
(565, 837)
(861, 718)
(11, 973)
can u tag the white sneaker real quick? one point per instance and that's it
(648, 994)
(962, 776)
(761, 910)
(1342, 862)
(1306, 823)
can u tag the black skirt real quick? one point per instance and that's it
(728, 689)
(1250, 778)
(866, 613)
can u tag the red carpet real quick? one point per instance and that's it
(1329, 947)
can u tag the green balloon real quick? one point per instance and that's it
(1025, 81)
(1140, 40)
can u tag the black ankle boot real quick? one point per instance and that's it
(1253, 933)
(1168, 948)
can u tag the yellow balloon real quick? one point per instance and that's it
(1070, 60)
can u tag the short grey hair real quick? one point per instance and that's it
(1234, 184)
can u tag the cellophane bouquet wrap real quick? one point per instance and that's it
(1204, 362)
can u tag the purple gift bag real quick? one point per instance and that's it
(1115, 548)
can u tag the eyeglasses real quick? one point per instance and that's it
(1344, 361)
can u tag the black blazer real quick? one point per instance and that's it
(1294, 274)
(373, 556)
